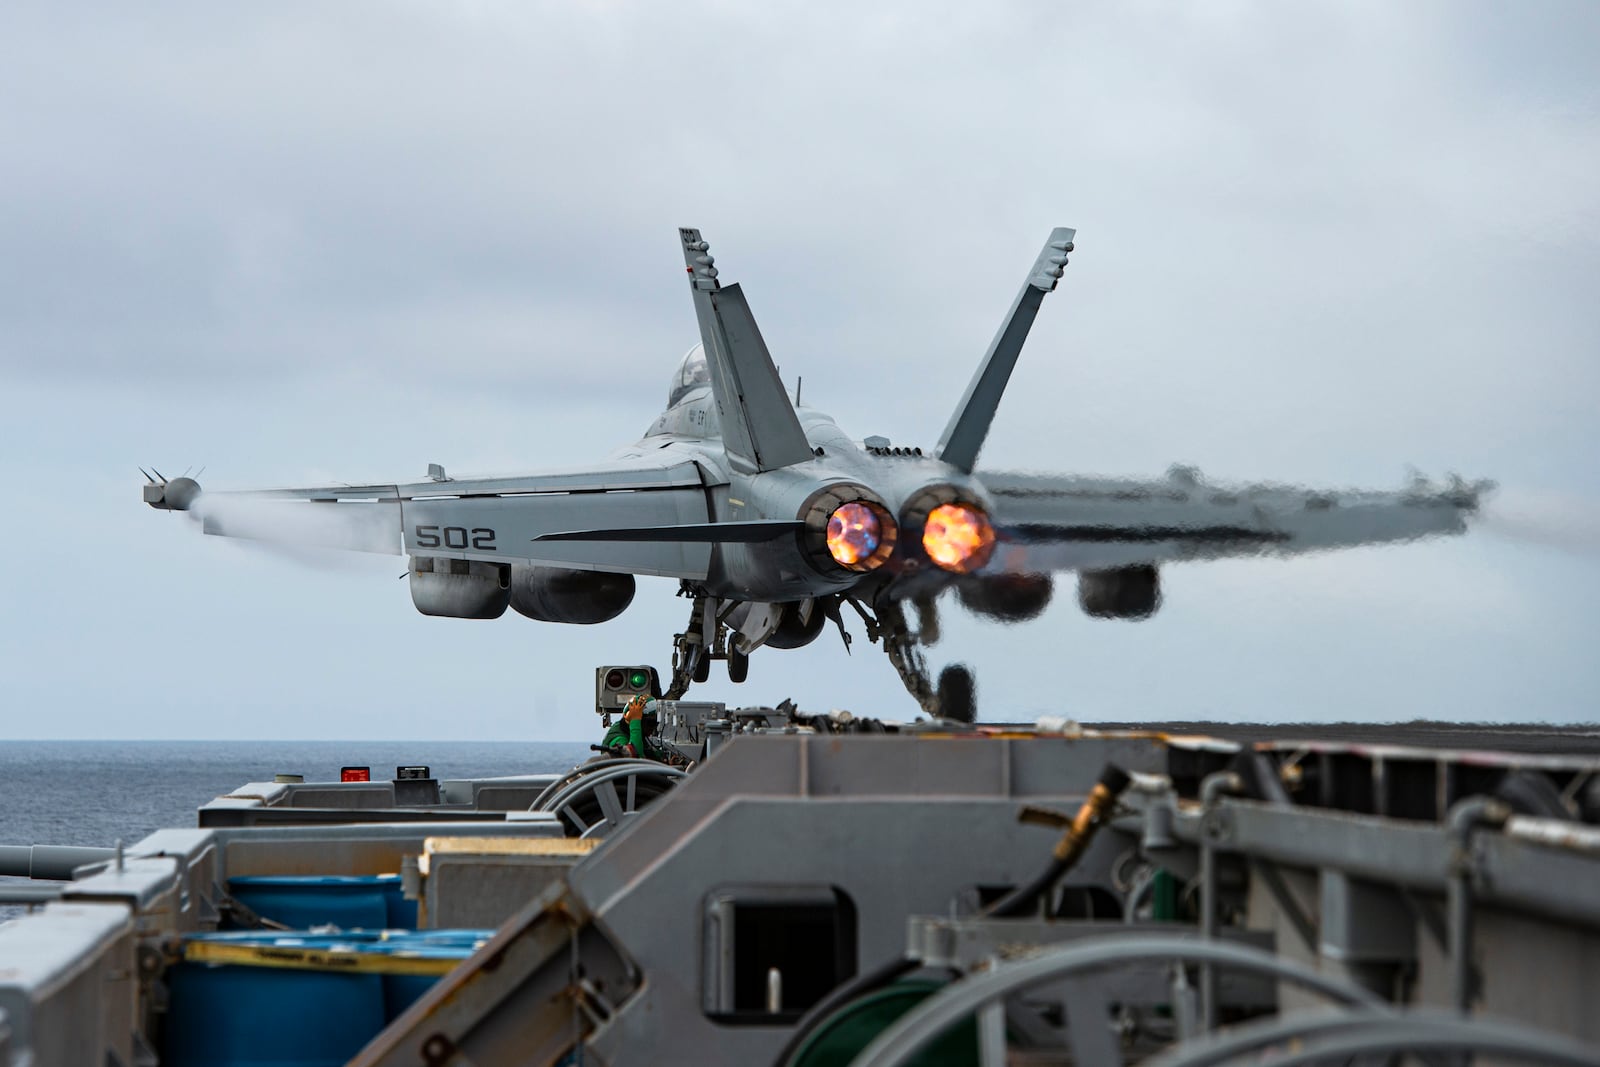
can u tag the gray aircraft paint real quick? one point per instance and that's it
(708, 496)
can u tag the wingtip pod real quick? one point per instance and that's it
(175, 494)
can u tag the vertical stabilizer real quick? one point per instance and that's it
(969, 426)
(759, 429)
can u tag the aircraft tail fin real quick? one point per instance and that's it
(760, 431)
(969, 426)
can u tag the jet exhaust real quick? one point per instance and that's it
(847, 526)
(854, 533)
(956, 532)
(958, 537)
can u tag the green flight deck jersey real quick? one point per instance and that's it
(625, 732)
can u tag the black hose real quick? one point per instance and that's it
(1113, 780)
(1025, 898)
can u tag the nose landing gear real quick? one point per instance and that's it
(704, 638)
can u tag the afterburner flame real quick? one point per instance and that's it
(854, 533)
(958, 537)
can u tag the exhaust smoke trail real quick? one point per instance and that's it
(1562, 521)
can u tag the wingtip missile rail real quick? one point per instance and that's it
(174, 494)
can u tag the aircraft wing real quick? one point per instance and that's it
(492, 519)
(1049, 523)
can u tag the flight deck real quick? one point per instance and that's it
(810, 889)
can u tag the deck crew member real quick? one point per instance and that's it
(627, 738)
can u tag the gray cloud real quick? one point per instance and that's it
(294, 242)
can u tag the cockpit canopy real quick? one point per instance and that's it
(692, 373)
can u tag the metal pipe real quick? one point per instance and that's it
(50, 861)
(1464, 817)
(1130, 907)
(1211, 790)
(1308, 1038)
(1557, 833)
(774, 991)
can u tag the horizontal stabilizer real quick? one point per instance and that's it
(749, 532)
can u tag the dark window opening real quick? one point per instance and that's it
(797, 943)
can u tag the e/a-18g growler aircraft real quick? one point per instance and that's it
(773, 519)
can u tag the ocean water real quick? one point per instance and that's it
(95, 792)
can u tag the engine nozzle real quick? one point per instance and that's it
(848, 526)
(854, 533)
(958, 537)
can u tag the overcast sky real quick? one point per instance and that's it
(1318, 243)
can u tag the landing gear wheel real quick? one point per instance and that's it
(738, 665)
(689, 647)
(958, 694)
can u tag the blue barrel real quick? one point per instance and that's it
(400, 990)
(297, 1000)
(350, 902)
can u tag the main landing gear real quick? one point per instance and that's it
(955, 696)
(704, 638)
(708, 636)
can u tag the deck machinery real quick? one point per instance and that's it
(829, 890)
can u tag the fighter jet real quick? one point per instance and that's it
(775, 521)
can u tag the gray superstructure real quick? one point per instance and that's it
(1054, 894)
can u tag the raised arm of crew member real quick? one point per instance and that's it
(626, 738)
